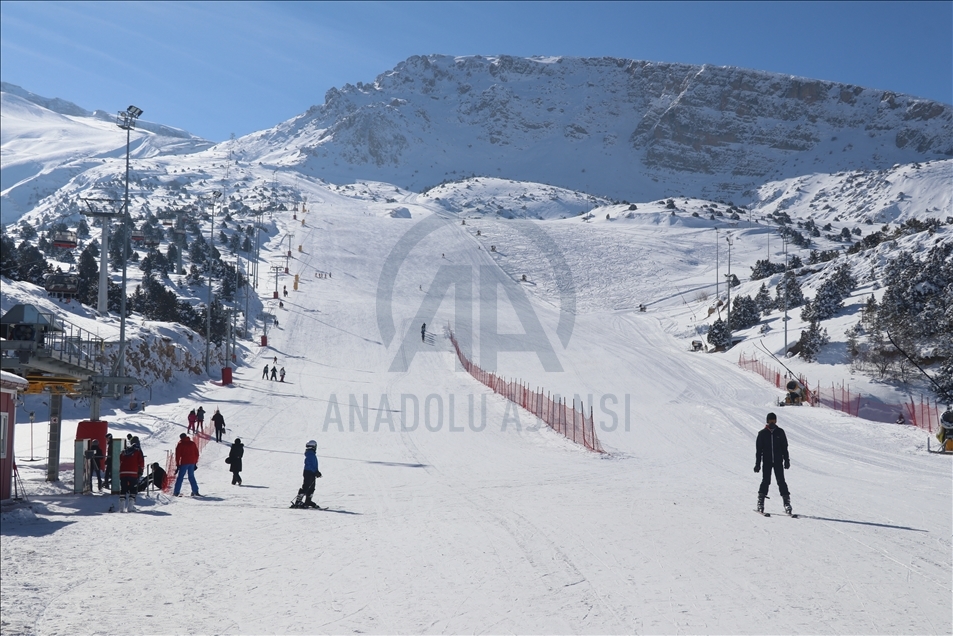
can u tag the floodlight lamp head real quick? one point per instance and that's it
(216, 194)
(134, 111)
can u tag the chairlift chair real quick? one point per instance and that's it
(64, 240)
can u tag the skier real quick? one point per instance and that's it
(200, 420)
(423, 332)
(285, 288)
(186, 461)
(234, 461)
(282, 374)
(771, 447)
(264, 374)
(311, 473)
(131, 465)
(274, 373)
(192, 418)
(219, 421)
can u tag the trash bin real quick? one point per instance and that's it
(226, 375)
(264, 341)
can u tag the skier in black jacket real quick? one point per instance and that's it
(772, 449)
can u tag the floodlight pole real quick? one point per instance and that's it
(717, 275)
(784, 238)
(208, 309)
(728, 238)
(127, 121)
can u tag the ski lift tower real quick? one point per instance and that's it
(102, 305)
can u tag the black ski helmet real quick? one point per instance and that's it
(771, 418)
(311, 445)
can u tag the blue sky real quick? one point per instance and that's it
(221, 68)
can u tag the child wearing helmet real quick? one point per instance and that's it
(311, 474)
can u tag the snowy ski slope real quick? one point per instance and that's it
(437, 526)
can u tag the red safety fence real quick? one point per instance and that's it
(840, 398)
(553, 411)
(200, 439)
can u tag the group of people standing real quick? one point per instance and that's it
(275, 373)
(196, 420)
(187, 453)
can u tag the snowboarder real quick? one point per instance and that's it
(219, 421)
(274, 373)
(771, 448)
(131, 465)
(186, 461)
(311, 473)
(234, 461)
(200, 420)
(282, 374)
(192, 418)
(901, 419)
(264, 374)
(423, 332)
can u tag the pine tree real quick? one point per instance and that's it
(765, 268)
(8, 258)
(763, 300)
(88, 272)
(795, 297)
(718, 334)
(811, 341)
(32, 266)
(744, 313)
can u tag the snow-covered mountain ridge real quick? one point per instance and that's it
(47, 142)
(612, 127)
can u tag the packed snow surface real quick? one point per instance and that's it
(453, 511)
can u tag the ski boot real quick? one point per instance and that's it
(297, 501)
(787, 504)
(131, 504)
(760, 507)
(309, 504)
(122, 504)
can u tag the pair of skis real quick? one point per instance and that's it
(298, 506)
(768, 514)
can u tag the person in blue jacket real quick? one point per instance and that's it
(311, 474)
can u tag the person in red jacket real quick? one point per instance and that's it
(186, 460)
(131, 465)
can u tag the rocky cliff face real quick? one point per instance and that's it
(613, 127)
